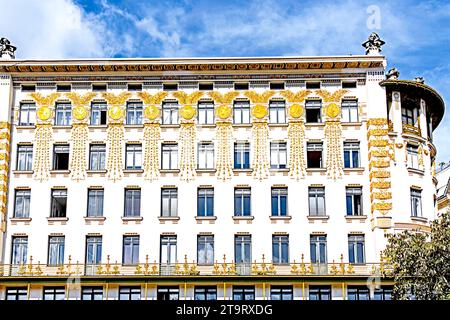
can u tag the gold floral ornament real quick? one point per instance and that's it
(296, 111)
(44, 111)
(116, 111)
(296, 136)
(151, 111)
(80, 102)
(152, 133)
(259, 111)
(224, 112)
(333, 110)
(188, 112)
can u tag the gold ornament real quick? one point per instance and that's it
(331, 97)
(44, 113)
(259, 111)
(80, 113)
(333, 110)
(116, 113)
(114, 164)
(188, 112)
(41, 156)
(223, 112)
(152, 132)
(224, 136)
(157, 98)
(297, 97)
(151, 112)
(296, 111)
(333, 136)
(260, 163)
(259, 98)
(296, 136)
(44, 101)
(78, 163)
(188, 99)
(187, 153)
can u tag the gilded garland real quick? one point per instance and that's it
(5, 139)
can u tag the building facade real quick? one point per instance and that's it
(221, 178)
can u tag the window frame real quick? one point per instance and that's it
(171, 194)
(241, 110)
(173, 109)
(279, 241)
(356, 241)
(347, 105)
(241, 150)
(24, 157)
(352, 148)
(134, 113)
(100, 108)
(206, 113)
(99, 150)
(169, 150)
(416, 203)
(58, 193)
(205, 150)
(134, 242)
(278, 150)
(279, 192)
(59, 243)
(30, 111)
(242, 193)
(132, 202)
(316, 192)
(65, 109)
(133, 156)
(205, 195)
(25, 206)
(353, 193)
(205, 258)
(279, 106)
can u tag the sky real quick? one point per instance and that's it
(417, 33)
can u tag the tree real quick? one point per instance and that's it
(421, 262)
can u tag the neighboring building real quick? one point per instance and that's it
(443, 190)
(210, 178)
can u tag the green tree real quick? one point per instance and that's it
(421, 261)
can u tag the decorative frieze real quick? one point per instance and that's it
(5, 140)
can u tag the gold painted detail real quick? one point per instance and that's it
(116, 105)
(381, 195)
(258, 98)
(260, 163)
(296, 136)
(224, 136)
(379, 164)
(333, 110)
(259, 111)
(188, 112)
(5, 139)
(81, 104)
(297, 97)
(420, 160)
(380, 185)
(187, 140)
(151, 112)
(223, 112)
(410, 129)
(114, 163)
(331, 97)
(78, 163)
(43, 137)
(333, 138)
(378, 143)
(152, 133)
(296, 110)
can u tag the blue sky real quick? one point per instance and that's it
(416, 32)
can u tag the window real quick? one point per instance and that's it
(170, 86)
(168, 293)
(132, 203)
(281, 293)
(358, 293)
(134, 113)
(129, 293)
(243, 249)
(277, 86)
(383, 293)
(169, 159)
(280, 249)
(205, 86)
(59, 203)
(63, 114)
(412, 154)
(205, 155)
(409, 115)
(313, 110)
(16, 293)
(354, 201)
(28, 88)
(19, 250)
(242, 155)
(241, 112)
(205, 113)
(169, 202)
(63, 87)
(22, 203)
(99, 87)
(356, 249)
(205, 202)
(245, 293)
(416, 203)
(170, 113)
(278, 155)
(349, 110)
(242, 202)
(54, 293)
(348, 84)
(319, 292)
(205, 250)
(134, 87)
(95, 203)
(27, 115)
(130, 253)
(241, 86)
(316, 201)
(98, 113)
(91, 293)
(133, 156)
(25, 157)
(318, 248)
(55, 250)
(97, 157)
(313, 85)
(93, 250)
(205, 293)
(168, 254)
(351, 154)
(277, 112)
(279, 201)
(61, 157)
(314, 154)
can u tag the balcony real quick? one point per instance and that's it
(410, 129)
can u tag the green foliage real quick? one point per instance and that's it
(421, 262)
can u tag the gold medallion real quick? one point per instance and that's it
(44, 113)
(116, 113)
(296, 111)
(333, 110)
(224, 112)
(151, 112)
(80, 113)
(259, 111)
(187, 112)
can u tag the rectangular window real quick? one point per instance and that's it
(354, 201)
(278, 155)
(63, 114)
(63, 88)
(351, 155)
(205, 113)
(133, 157)
(132, 203)
(24, 157)
(277, 112)
(56, 250)
(242, 155)
(98, 113)
(95, 203)
(409, 116)
(134, 113)
(27, 114)
(348, 84)
(313, 111)
(61, 157)
(129, 293)
(243, 249)
(94, 246)
(170, 113)
(241, 112)
(383, 293)
(314, 154)
(416, 203)
(54, 293)
(205, 293)
(22, 203)
(277, 86)
(16, 293)
(279, 201)
(313, 85)
(169, 159)
(205, 155)
(318, 249)
(91, 293)
(134, 87)
(356, 249)
(280, 249)
(205, 86)
(205, 250)
(130, 252)
(316, 201)
(349, 111)
(168, 293)
(319, 292)
(244, 293)
(358, 293)
(412, 153)
(205, 202)
(242, 202)
(281, 293)
(28, 88)
(169, 202)
(99, 87)
(59, 203)
(19, 250)
(241, 86)
(168, 254)
(170, 86)
(97, 157)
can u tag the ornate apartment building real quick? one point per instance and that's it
(210, 178)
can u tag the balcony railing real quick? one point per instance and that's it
(410, 129)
